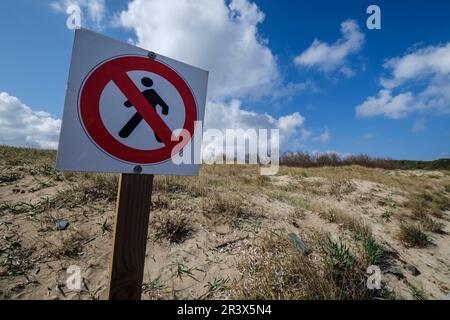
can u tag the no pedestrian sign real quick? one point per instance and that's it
(128, 108)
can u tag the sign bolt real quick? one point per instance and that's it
(152, 55)
(137, 169)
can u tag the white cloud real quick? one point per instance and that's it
(426, 70)
(369, 136)
(93, 11)
(393, 107)
(421, 64)
(329, 57)
(21, 126)
(212, 35)
(324, 137)
(224, 116)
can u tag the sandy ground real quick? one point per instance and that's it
(35, 256)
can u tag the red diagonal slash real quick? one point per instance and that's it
(145, 109)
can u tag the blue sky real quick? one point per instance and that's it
(320, 96)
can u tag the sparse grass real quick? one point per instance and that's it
(412, 235)
(175, 184)
(417, 293)
(296, 200)
(12, 156)
(405, 182)
(229, 209)
(9, 176)
(71, 246)
(387, 202)
(271, 267)
(160, 201)
(99, 186)
(423, 207)
(154, 288)
(106, 227)
(341, 188)
(433, 226)
(183, 270)
(42, 184)
(358, 227)
(257, 180)
(29, 208)
(387, 216)
(218, 285)
(276, 270)
(16, 258)
(426, 203)
(373, 252)
(174, 227)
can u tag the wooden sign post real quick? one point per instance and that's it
(130, 236)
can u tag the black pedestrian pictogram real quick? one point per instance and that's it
(154, 99)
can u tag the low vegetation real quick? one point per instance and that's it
(305, 160)
(413, 235)
(228, 233)
(278, 270)
(347, 221)
(174, 227)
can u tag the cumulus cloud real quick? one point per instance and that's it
(224, 116)
(324, 137)
(385, 103)
(212, 35)
(425, 70)
(421, 64)
(21, 126)
(330, 57)
(93, 11)
(221, 117)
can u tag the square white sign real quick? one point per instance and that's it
(130, 110)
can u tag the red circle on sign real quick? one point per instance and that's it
(89, 107)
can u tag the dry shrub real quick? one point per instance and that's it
(95, 187)
(413, 235)
(174, 227)
(228, 209)
(71, 246)
(341, 188)
(300, 159)
(101, 186)
(160, 201)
